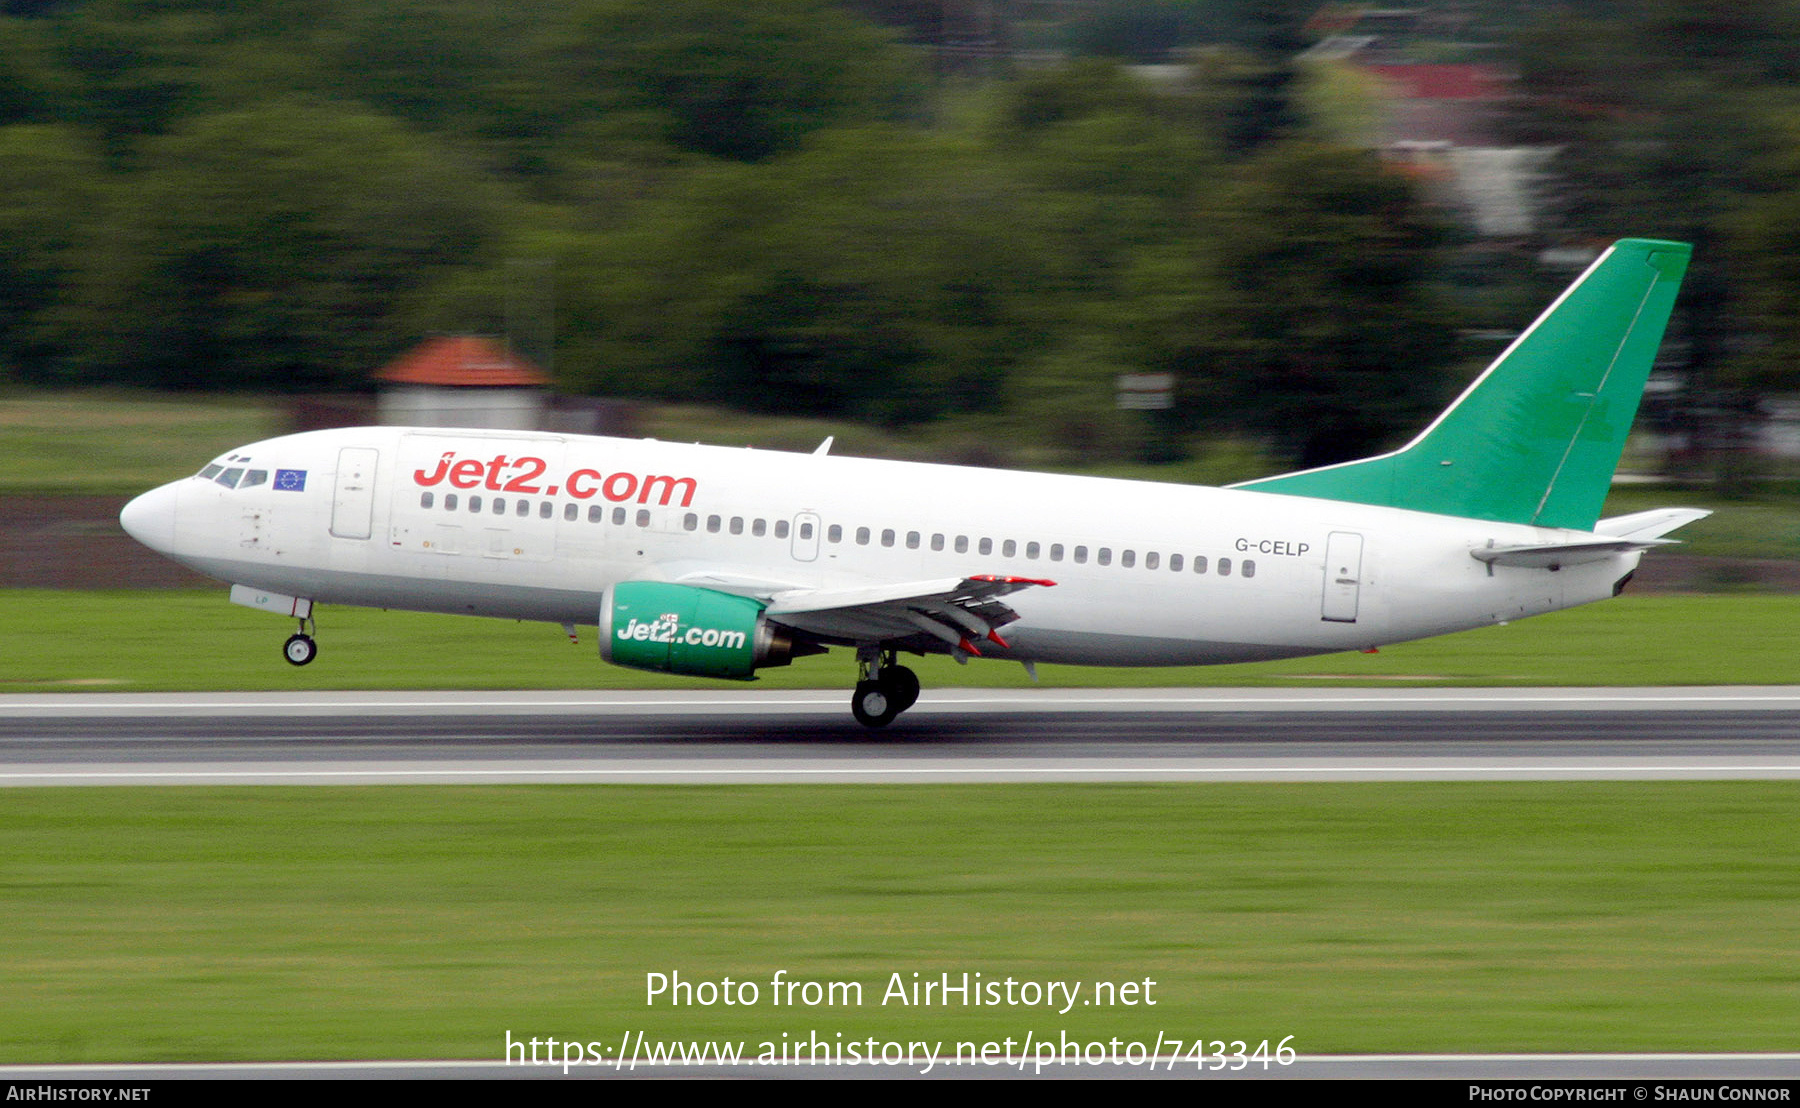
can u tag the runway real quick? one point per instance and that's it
(752, 736)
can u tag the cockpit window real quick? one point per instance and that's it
(253, 478)
(230, 477)
(211, 471)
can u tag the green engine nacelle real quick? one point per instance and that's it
(682, 629)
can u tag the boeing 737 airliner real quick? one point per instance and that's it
(717, 562)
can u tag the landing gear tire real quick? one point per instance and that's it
(299, 649)
(873, 704)
(903, 684)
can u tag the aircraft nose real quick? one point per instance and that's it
(150, 518)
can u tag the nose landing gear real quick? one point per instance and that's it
(300, 647)
(884, 690)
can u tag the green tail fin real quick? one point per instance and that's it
(1536, 438)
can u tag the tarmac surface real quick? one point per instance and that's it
(951, 735)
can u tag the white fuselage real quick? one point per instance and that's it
(536, 526)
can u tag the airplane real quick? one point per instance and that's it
(718, 562)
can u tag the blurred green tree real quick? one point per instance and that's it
(273, 248)
(33, 88)
(51, 184)
(737, 81)
(1305, 310)
(874, 274)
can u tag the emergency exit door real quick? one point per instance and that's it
(806, 537)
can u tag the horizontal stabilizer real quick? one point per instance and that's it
(1618, 535)
(1653, 524)
(1558, 555)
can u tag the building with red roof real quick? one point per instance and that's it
(462, 381)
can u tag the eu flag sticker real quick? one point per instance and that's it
(290, 480)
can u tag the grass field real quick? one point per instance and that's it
(118, 444)
(53, 641)
(259, 923)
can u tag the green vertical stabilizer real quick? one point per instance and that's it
(1536, 438)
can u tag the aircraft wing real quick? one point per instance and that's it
(955, 611)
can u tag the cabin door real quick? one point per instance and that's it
(1343, 576)
(353, 502)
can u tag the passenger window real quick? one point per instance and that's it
(571, 512)
(618, 517)
(1174, 563)
(781, 529)
(887, 537)
(835, 533)
(1009, 549)
(521, 509)
(253, 478)
(1080, 555)
(806, 531)
(712, 524)
(1104, 556)
(500, 505)
(1199, 563)
(597, 514)
(737, 525)
(643, 517)
(1031, 550)
(1248, 569)
(862, 536)
(545, 509)
(912, 540)
(425, 500)
(1056, 551)
(962, 544)
(690, 522)
(1224, 567)
(474, 504)
(1152, 560)
(937, 542)
(986, 546)
(450, 502)
(759, 528)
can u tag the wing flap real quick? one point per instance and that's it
(955, 611)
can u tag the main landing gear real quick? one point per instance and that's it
(883, 690)
(300, 647)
